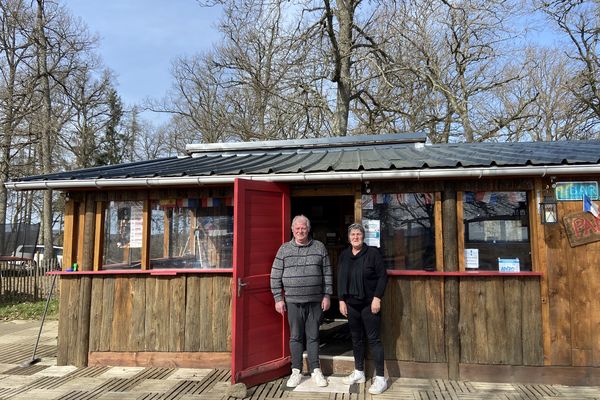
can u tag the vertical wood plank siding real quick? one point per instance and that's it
(413, 320)
(148, 314)
(500, 321)
(573, 301)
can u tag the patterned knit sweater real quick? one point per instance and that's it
(302, 271)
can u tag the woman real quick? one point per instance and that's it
(361, 282)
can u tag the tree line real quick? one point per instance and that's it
(459, 71)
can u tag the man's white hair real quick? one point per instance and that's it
(299, 218)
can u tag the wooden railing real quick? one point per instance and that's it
(26, 279)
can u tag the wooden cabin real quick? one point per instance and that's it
(493, 262)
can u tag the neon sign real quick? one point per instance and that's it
(567, 191)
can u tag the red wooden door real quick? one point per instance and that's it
(260, 350)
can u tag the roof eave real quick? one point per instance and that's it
(409, 174)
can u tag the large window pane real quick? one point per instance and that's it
(406, 228)
(123, 234)
(496, 229)
(191, 233)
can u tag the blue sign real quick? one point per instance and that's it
(509, 265)
(567, 191)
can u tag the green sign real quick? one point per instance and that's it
(566, 191)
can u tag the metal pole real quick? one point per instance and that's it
(33, 358)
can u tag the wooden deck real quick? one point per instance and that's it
(44, 380)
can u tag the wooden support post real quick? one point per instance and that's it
(146, 235)
(99, 236)
(357, 204)
(69, 237)
(82, 341)
(540, 264)
(451, 287)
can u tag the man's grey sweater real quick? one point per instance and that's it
(303, 272)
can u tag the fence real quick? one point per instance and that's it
(26, 279)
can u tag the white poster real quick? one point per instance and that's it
(471, 258)
(367, 202)
(136, 223)
(509, 265)
(372, 232)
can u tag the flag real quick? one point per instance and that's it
(188, 203)
(483, 197)
(589, 206)
(168, 203)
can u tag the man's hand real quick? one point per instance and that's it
(325, 303)
(280, 307)
(343, 308)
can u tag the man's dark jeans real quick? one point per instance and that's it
(304, 319)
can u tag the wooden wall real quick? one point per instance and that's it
(500, 321)
(413, 319)
(573, 296)
(129, 313)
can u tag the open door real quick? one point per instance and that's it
(260, 350)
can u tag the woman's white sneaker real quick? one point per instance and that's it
(294, 379)
(355, 377)
(379, 385)
(318, 378)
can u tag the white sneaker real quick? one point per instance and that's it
(379, 385)
(318, 378)
(294, 379)
(355, 377)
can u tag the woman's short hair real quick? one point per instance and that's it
(356, 227)
(299, 218)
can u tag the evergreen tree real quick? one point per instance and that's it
(114, 148)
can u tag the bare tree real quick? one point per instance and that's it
(463, 52)
(252, 85)
(554, 115)
(16, 87)
(579, 21)
(459, 71)
(194, 100)
(46, 123)
(59, 43)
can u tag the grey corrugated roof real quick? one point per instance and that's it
(334, 158)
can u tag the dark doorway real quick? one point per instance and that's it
(330, 217)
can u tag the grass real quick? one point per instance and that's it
(25, 308)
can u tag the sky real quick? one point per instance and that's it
(138, 39)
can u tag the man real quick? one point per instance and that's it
(301, 282)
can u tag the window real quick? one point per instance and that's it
(496, 228)
(191, 233)
(402, 226)
(123, 235)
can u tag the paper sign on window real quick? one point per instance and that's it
(372, 232)
(136, 223)
(508, 265)
(471, 258)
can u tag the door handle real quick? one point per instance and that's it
(240, 285)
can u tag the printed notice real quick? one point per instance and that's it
(372, 232)
(471, 258)
(136, 223)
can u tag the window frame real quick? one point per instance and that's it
(437, 220)
(532, 231)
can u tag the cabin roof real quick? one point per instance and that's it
(370, 153)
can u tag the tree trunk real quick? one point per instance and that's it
(46, 123)
(7, 136)
(345, 12)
